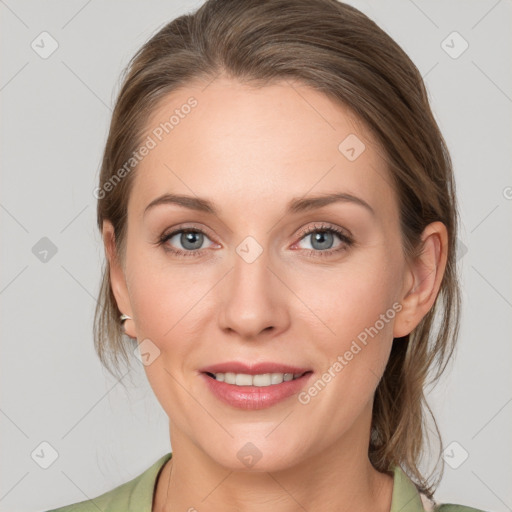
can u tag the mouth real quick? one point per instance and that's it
(253, 391)
(259, 380)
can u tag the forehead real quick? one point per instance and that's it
(241, 145)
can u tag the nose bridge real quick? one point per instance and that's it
(252, 300)
(250, 265)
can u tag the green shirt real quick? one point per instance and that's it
(137, 495)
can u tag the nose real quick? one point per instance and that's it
(254, 299)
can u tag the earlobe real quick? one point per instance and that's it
(423, 279)
(117, 277)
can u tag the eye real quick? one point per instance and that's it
(322, 237)
(190, 239)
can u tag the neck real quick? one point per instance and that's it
(339, 478)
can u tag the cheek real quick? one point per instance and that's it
(358, 310)
(358, 307)
(350, 299)
(167, 299)
(167, 304)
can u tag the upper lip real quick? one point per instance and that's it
(252, 369)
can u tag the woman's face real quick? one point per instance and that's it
(266, 275)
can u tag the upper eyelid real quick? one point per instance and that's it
(324, 226)
(179, 229)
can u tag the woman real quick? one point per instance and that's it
(279, 217)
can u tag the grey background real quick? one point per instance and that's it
(55, 115)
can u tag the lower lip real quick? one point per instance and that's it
(254, 397)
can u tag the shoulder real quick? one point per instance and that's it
(135, 495)
(103, 502)
(407, 497)
(431, 506)
(110, 501)
(451, 507)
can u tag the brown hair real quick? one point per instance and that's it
(337, 50)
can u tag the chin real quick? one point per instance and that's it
(256, 456)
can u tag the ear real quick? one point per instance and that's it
(117, 277)
(423, 279)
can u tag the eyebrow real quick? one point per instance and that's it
(295, 205)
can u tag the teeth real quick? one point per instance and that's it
(260, 380)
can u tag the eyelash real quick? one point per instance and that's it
(347, 241)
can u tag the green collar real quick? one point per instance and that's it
(406, 497)
(137, 494)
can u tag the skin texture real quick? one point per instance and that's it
(250, 151)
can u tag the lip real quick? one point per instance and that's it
(255, 397)
(252, 369)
